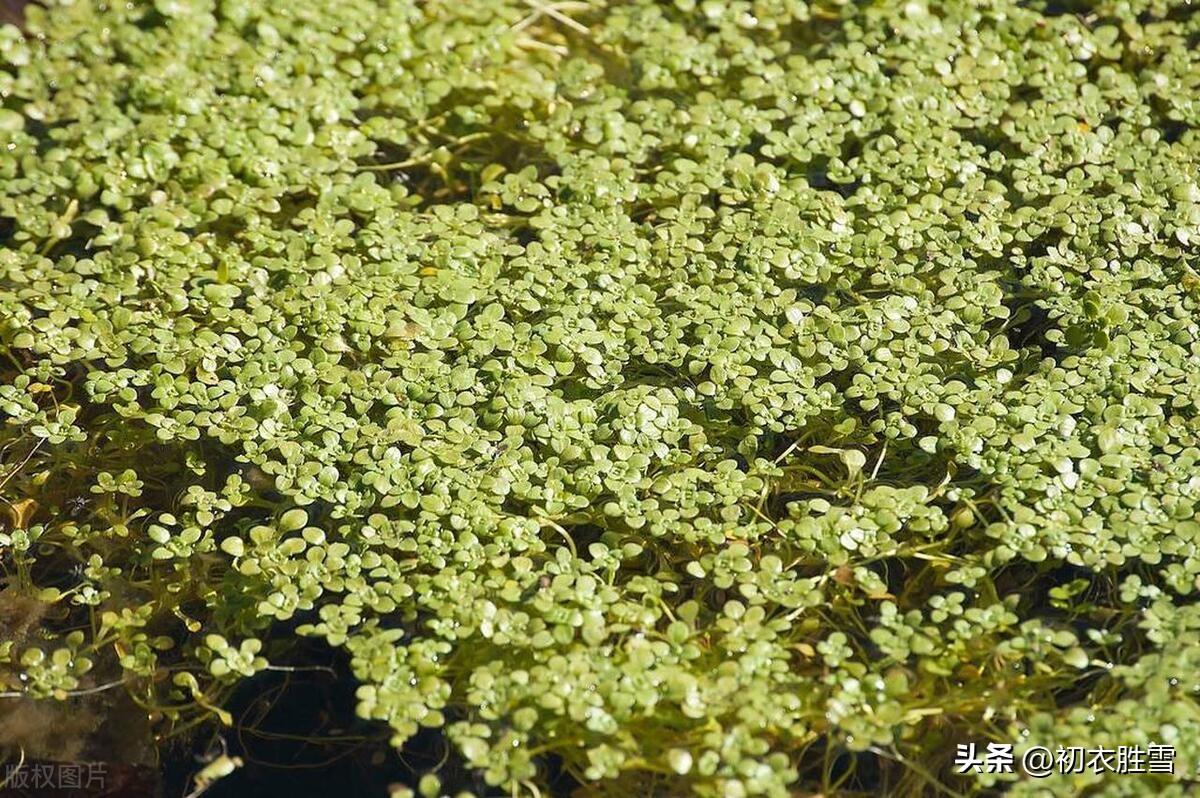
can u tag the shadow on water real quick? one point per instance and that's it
(298, 736)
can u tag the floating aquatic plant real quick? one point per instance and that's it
(724, 398)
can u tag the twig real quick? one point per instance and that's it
(529, 42)
(553, 12)
(12, 774)
(879, 462)
(427, 157)
(21, 465)
(301, 669)
(565, 534)
(70, 693)
(924, 774)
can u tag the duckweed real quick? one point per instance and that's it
(716, 398)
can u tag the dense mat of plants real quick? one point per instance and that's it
(738, 398)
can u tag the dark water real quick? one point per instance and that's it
(298, 736)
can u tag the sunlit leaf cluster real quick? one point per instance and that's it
(714, 398)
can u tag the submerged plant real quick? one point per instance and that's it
(724, 398)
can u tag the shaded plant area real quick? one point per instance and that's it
(598, 399)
